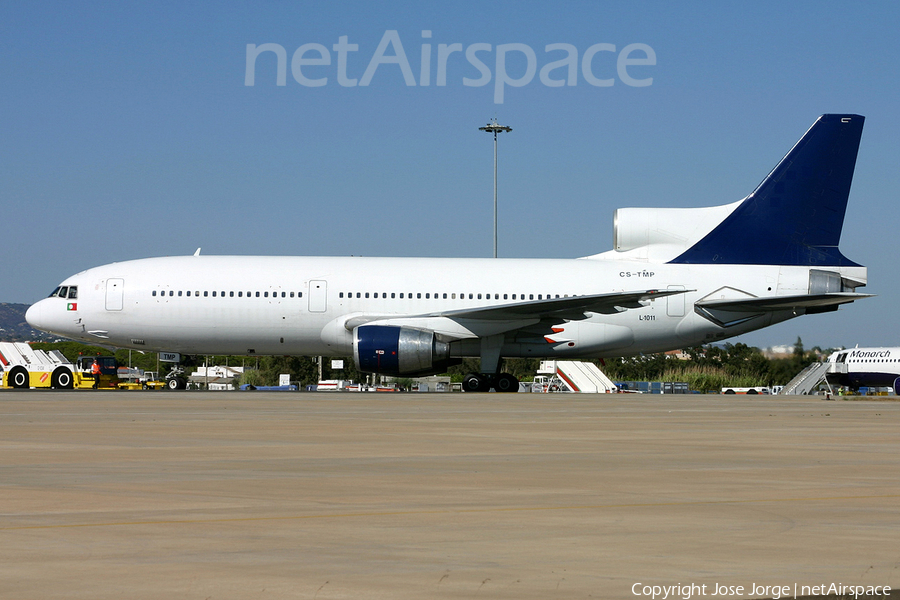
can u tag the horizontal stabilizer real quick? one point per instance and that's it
(731, 312)
(782, 302)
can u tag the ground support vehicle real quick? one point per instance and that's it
(25, 367)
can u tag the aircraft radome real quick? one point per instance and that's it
(676, 277)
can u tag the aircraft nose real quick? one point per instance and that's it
(45, 315)
(33, 315)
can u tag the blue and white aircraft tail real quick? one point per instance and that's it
(675, 278)
(795, 216)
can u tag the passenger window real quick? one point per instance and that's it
(179, 293)
(205, 294)
(153, 293)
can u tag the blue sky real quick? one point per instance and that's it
(128, 131)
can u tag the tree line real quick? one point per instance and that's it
(707, 368)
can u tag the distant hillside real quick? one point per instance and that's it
(14, 328)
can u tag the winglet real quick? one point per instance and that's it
(795, 216)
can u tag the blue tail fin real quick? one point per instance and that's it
(795, 216)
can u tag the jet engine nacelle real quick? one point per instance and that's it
(392, 350)
(676, 228)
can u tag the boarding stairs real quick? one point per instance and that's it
(806, 380)
(21, 353)
(579, 376)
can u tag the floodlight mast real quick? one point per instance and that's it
(495, 128)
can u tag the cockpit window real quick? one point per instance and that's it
(65, 291)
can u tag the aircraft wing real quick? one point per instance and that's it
(507, 317)
(572, 307)
(777, 303)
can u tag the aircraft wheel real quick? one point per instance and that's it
(506, 383)
(475, 382)
(18, 379)
(173, 384)
(62, 379)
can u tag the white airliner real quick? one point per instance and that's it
(857, 367)
(675, 278)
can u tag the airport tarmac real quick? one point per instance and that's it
(230, 495)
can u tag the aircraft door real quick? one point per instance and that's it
(675, 302)
(317, 296)
(115, 294)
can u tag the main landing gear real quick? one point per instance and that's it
(490, 377)
(483, 382)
